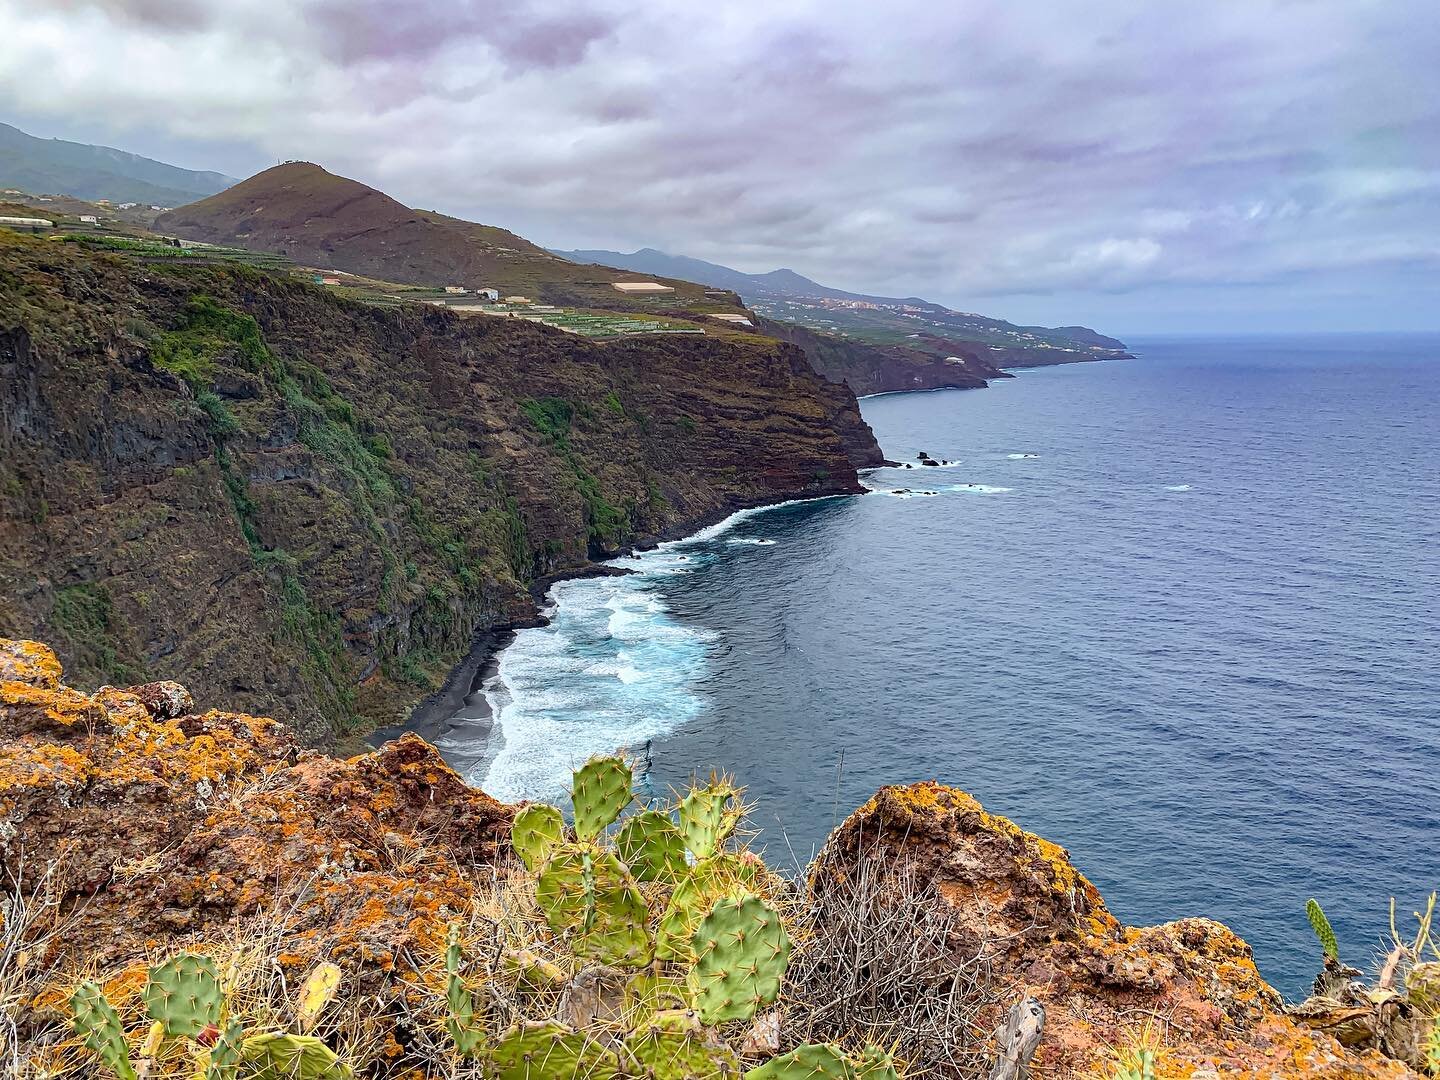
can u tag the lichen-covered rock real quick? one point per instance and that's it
(163, 823)
(1017, 902)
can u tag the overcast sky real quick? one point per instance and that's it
(1137, 165)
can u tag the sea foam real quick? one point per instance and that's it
(611, 670)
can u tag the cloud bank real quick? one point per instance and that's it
(1151, 163)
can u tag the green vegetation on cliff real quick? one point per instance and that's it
(309, 506)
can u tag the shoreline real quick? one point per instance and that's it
(457, 718)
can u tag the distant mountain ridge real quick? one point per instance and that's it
(58, 167)
(317, 218)
(879, 344)
(650, 261)
(782, 288)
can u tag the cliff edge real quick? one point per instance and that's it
(134, 822)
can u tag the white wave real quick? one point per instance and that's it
(920, 466)
(978, 489)
(1177, 487)
(612, 669)
(907, 493)
(1021, 457)
(756, 541)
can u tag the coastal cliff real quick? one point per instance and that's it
(307, 507)
(137, 822)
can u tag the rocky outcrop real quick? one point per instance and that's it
(154, 821)
(1017, 907)
(308, 507)
(136, 823)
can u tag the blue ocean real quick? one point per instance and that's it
(1180, 614)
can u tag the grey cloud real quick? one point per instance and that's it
(1121, 148)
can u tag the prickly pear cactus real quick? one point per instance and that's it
(652, 847)
(536, 832)
(1142, 1068)
(589, 894)
(1422, 987)
(550, 1051)
(533, 974)
(707, 818)
(876, 1064)
(1321, 925)
(316, 993)
(706, 882)
(184, 994)
(469, 1037)
(600, 790)
(814, 1061)
(225, 1055)
(672, 1047)
(741, 950)
(276, 1055)
(98, 1025)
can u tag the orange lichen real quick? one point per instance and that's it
(29, 662)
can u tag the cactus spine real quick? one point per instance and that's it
(469, 1037)
(276, 1055)
(601, 789)
(741, 951)
(589, 894)
(1321, 925)
(98, 1025)
(814, 1061)
(542, 1051)
(536, 832)
(707, 819)
(652, 847)
(225, 1055)
(672, 1047)
(184, 994)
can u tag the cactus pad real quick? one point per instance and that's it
(588, 893)
(225, 1055)
(652, 847)
(533, 974)
(672, 1047)
(1422, 987)
(876, 1064)
(184, 994)
(813, 1061)
(741, 950)
(468, 1036)
(98, 1025)
(706, 882)
(550, 1051)
(317, 992)
(706, 817)
(278, 1056)
(601, 789)
(1321, 925)
(537, 831)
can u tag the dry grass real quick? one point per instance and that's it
(874, 963)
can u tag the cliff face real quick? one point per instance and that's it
(307, 507)
(873, 369)
(136, 824)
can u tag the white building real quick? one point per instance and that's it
(455, 289)
(488, 294)
(90, 219)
